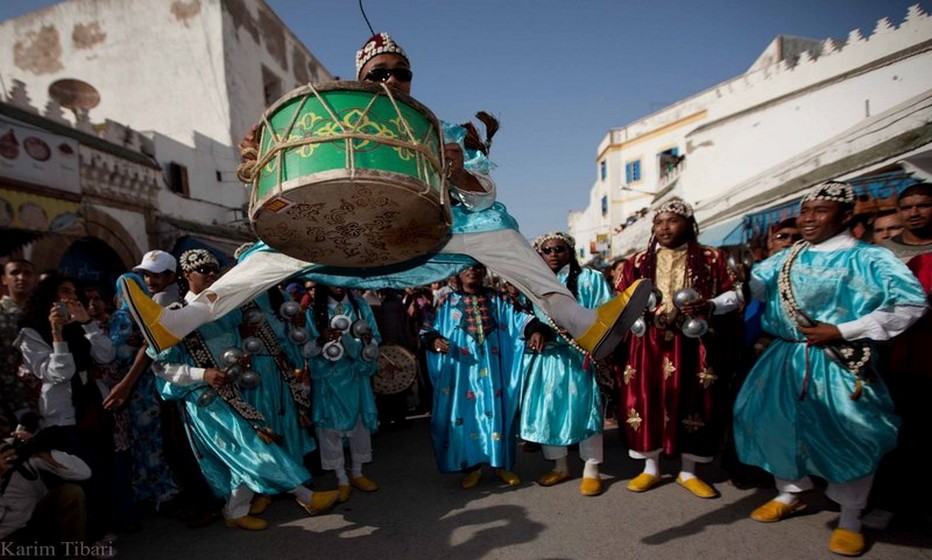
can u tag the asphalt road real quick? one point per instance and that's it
(420, 513)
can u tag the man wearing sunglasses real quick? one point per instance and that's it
(482, 229)
(783, 235)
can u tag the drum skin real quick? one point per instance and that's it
(397, 370)
(350, 175)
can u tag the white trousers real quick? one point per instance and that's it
(331, 446)
(590, 449)
(505, 252)
(852, 494)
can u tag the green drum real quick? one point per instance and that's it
(350, 174)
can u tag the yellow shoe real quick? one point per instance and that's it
(643, 482)
(246, 522)
(343, 492)
(590, 486)
(508, 477)
(697, 487)
(613, 319)
(846, 543)
(362, 483)
(259, 504)
(774, 511)
(552, 478)
(147, 314)
(471, 479)
(321, 502)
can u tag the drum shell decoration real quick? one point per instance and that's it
(372, 196)
(397, 370)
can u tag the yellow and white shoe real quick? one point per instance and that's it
(148, 316)
(321, 502)
(363, 483)
(246, 522)
(259, 504)
(614, 319)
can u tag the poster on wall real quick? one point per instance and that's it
(33, 155)
(21, 210)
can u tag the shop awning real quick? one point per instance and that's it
(728, 232)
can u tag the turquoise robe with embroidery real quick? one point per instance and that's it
(826, 433)
(477, 383)
(561, 403)
(228, 450)
(342, 390)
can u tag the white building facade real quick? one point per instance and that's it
(717, 148)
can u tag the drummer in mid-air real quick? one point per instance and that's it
(481, 229)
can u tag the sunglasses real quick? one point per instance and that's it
(785, 236)
(558, 249)
(207, 269)
(383, 74)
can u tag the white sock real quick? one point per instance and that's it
(303, 494)
(688, 469)
(567, 313)
(652, 466)
(850, 519)
(357, 469)
(559, 464)
(786, 497)
(591, 470)
(342, 479)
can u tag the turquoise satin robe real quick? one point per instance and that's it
(561, 403)
(228, 450)
(341, 391)
(476, 385)
(272, 397)
(825, 434)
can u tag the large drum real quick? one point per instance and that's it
(397, 370)
(350, 174)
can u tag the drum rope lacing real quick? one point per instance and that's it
(248, 171)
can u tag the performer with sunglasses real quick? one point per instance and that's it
(561, 402)
(482, 230)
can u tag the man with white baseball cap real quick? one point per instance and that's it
(158, 271)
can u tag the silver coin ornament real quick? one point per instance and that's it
(311, 349)
(694, 327)
(249, 379)
(299, 335)
(333, 351)
(234, 372)
(254, 316)
(252, 344)
(684, 296)
(360, 328)
(639, 327)
(207, 397)
(231, 356)
(340, 322)
(653, 300)
(370, 352)
(289, 309)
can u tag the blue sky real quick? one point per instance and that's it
(560, 73)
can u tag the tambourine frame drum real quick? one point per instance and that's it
(397, 370)
(350, 174)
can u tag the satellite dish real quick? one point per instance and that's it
(74, 94)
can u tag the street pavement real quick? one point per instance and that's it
(419, 513)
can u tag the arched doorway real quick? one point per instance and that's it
(90, 261)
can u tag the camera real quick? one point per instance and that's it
(62, 308)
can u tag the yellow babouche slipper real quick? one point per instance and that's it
(147, 314)
(508, 477)
(614, 319)
(846, 543)
(321, 502)
(552, 478)
(774, 511)
(246, 522)
(343, 493)
(471, 479)
(362, 483)
(697, 487)
(590, 486)
(643, 482)
(259, 504)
